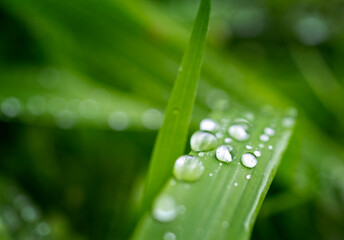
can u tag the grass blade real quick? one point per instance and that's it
(171, 139)
(224, 202)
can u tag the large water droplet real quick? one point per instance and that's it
(170, 236)
(208, 125)
(249, 160)
(165, 208)
(239, 132)
(188, 168)
(225, 153)
(203, 141)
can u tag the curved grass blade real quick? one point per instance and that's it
(224, 202)
(171, 139)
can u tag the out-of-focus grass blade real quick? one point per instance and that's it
(70, 99)
(172, 137)
(224, 202)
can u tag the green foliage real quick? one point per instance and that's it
(171, 139)
(224, 202)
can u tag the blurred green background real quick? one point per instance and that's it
(84, 83)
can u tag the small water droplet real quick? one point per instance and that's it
(219, 135)
(165, 209)
(269, 131)
(248, 176)
(225, 153)
(264, 138)
(203, 141)
(249, 160)
(235, 184)
(270, 147)
(208, 125)
(228, 140)
(188, 168)
(170, 236)
(249, 147)
(201, 154)
(257, 153)
(238, 132)
(225, 224)
(288, 122)
(220, 164)
(249, 115)
(210, 174)
(261, 145)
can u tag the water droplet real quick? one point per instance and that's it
(203, 141)
(220, 164)
(173, 182)
(11, 107)
(165, 209)
(208, 125)
(270, 147)
(248, 176)
(188, 168)
(170, 236)
(225, 224)
(269, 131)
(249, 160)
(235, 184)
(118, 121)
(264, 138)
(228, 140)
(152, 119)
(210, 174)
(261, 145)
(238, 132)
(257, 153)
(288, 122)
(249, 147)
(219, 135)
(201, 154)
(36, 105)
(181, 209)
(217, 99)
(225, 153)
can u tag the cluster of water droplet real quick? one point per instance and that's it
(215, 138)
(21, 218)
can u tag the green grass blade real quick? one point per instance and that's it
(223, 203)
(172, 136)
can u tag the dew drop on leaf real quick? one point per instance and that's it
(165, 209)
(249, 160)
(269, 131)
(208, 125)
(225, 153)
(238, 132)
(170, 236)
(188, 168)
(203, 141)
(264, 138)
(257, 153)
